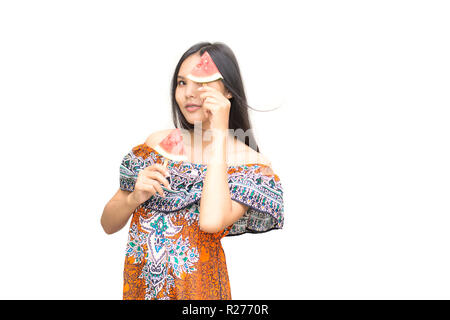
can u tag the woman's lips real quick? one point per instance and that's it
(192, 108)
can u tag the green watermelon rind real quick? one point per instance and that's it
(213, 77)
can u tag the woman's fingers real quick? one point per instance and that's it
(158, 167)
(156, 175)
(145, 186)
(148, 181)
(149, 188)
(158, 171)
(157, 187)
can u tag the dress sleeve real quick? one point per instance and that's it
(129, 169)
(261, 190)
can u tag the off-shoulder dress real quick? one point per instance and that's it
(167, 256)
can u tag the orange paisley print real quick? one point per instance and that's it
(167, 256)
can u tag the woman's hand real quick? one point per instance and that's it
(148, 183)
(216, 107)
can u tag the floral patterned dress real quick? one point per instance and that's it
(167, 255)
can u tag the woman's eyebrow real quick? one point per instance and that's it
(181, 77)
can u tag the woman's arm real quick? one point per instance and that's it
(117, 211)
(217, 210)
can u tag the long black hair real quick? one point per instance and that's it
(227, 64)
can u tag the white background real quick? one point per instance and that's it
(361, 142)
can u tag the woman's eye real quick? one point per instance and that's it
(180, 82)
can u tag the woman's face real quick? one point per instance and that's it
(187, 92)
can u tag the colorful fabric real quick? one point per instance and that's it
(167, 255)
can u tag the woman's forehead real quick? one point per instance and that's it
(188, 64)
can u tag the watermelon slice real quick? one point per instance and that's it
(172, 147)
(205, 71)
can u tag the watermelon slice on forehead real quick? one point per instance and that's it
(172, 147)
(205, 71)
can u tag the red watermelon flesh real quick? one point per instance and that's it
(205, 71)
(172, 146)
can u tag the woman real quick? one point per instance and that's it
(226, 187)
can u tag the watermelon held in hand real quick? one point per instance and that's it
(172, 147)
(205, 71)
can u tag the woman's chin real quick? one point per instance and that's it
(195, 120)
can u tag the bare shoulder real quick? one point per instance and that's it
(155, 137)
(262, 159)
(245, 154)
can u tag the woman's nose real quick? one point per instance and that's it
(192, 89)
